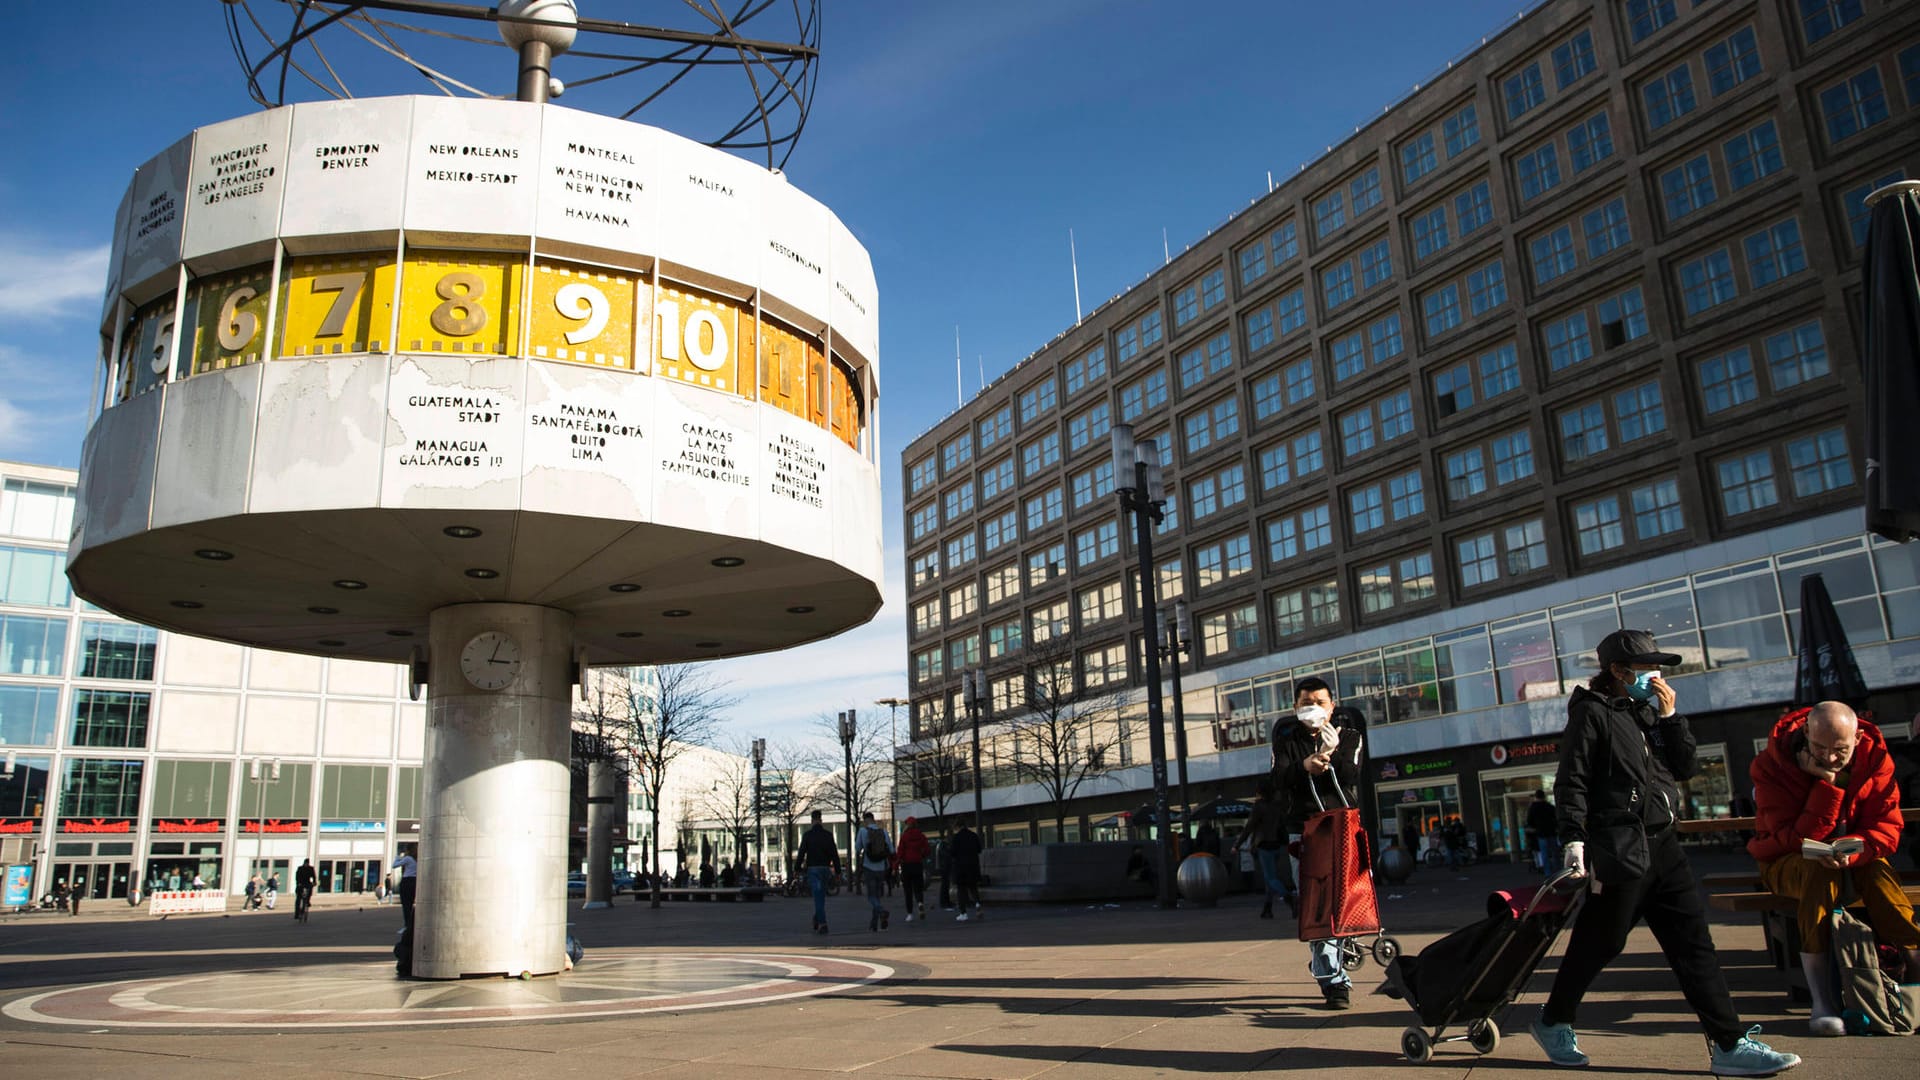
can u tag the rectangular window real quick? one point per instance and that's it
(1266, 397)
(1727, 380)
(1746, 483)
(1524, 90)
(1583, 432)
(922, 475)
(1365, 190)
(1406, 496)
(1752, 155)
(1796, 356)
(1349, 356)
(1539, 172)
(1090, 426)
(1253, 263)
(35, 509)
(1639, 411)
(1376, 265)
(1429, 234)
(1299, 378)
(1707, 281)
(957, 453)
(1512, 457)
(30, 645)
(1366, 510)
(925, 520)
(1329, 213)
(1292, 311)
(1687, 187)
(1623, 318)
(1307, 456)
(1213, 289)
(1004, 528)
(1466, 473)
(1669, 97)
(1356, 431)
(1477, 561)
(1656, 509)
(1910, 74)
(1383, 338)
(1487, 287)
(1568, 342)
(1596, 525)
(1149, 392)
(1453, 390)
(1046, 564)
(964, 653)
(1499, 371)
(1553, 255)
(1186, 305)
(1100, 542)
(1049, 622)
(116, 718)
(1376, 589)
(996, 427)
(1818, 18)
(1732, 61)
(1230, 630)
(1396, 415)
(1443, 309)
(1004, 638)
(1590, 142)
(1473, 208)
(1646, 16)
(1819, 463)
(1217, 422)
(963, 601)
(1274, 468)
(959, 503)
(1003, 584)
(1285, 243)
(1606, 229)
(1040, 454)
(926, 568)
(32, 577)
(1203, 497)
(1316, 527)
(1853, 106)
(1461, 130)
(1854, 204)
(1775, 253)
(996, 479)
(1526, 545)
(1039, 400)
(1100, 603)
(1259, 329)
(961, 550)
(94, 787)
(1417, 158)
(1045, 508)
(1086, 370)
(1336, 285)
(111, 650)
(1573, 60)
(1414, 576)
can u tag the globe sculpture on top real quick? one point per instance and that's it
(495, 388)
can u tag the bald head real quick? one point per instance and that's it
(1832, 730)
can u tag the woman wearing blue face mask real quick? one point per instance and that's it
(1625, 747)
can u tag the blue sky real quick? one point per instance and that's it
(959, 142)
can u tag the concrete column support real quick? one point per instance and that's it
(493, 839)
(603, 778)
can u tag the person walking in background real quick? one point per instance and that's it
(943, 862)
(1625, 748)
(1266, 831)
(911, 856)
(1542, 824)
(875, 850)
(1824, 776)
(966, 871)
(273, 889)
(818, 859)
(409, 884)
(1316, 763)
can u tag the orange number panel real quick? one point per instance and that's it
(334, 304)
(582, 314)
(697, 338)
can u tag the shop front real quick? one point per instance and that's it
(351, 855)
(96, 869)
(269, 846)
(1415, 796)
(182, 848)
(1509, 776)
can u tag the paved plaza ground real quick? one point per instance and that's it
(708, 990)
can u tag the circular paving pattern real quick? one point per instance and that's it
(612, 982)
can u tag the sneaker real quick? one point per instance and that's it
(1750, 1057)
(1827, 1026)
(909, 916)
(923, 910)
(1558, 1042)
(962, 917)
(883, 918)
(1339, 998)
(821, 929)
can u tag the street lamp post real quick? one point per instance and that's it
(973, 691)
(848, 728)
(261, 772)
(1180, 640)
(893, 750)
(1136, 471)
(759, 831)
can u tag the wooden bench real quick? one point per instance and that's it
(751, 894)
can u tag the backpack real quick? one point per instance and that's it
(1871, 1000)
(876, 847)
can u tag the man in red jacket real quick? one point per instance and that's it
(1826, 774)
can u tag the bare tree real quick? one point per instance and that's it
(682, 708)
(791, 791)
(941, 769)
(865, 782)
(1064, 735)
(730, 800)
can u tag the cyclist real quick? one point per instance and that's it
(303, 879)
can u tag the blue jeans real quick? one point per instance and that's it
(1269, 862)
(1323, 956)
(876, 882)
(817, 884)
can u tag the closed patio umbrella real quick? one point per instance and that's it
(1890, 360)
(1826, 670)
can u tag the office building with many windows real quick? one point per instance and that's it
(1563, 341)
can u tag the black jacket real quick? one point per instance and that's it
(1541, 820)
(965, 851)
(1619, 759)
(818, 849)
(1292, 745)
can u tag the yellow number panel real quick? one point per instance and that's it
(785, 358)
(697, 338)
(227, 318)
(333, 304)
(582, 314)
(848, 415)
(460, 302)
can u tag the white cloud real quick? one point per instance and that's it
(44, 282)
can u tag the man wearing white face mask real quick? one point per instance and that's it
(1625, 747)
(1318, 748)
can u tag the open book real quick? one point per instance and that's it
(1846, 845)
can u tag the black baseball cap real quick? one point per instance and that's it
(1632, 647)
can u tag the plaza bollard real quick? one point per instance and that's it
(1394, 865)
(1202, 879)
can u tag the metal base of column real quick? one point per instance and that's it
(493, 833)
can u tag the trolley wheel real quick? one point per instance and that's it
(1483, 1035)
(1351, 955)
(1385, 950)
(1416, 1046)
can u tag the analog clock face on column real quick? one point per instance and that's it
(491, 661)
